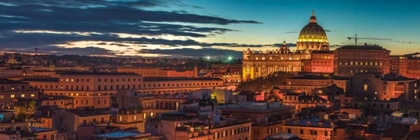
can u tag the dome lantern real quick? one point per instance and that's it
(313, 18)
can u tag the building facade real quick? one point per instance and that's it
(406, 65)
(351, 59)
(312, 55)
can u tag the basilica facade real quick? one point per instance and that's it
(312, 54)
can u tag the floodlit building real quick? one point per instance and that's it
(312, 55)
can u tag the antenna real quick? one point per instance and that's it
(36, 50)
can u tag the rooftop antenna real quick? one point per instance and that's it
(36, 50)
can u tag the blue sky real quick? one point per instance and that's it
(196, 28)
(396, 20)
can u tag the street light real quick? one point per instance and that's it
(208, 57)
(229, 58)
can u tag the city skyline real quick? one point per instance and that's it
(197, 28)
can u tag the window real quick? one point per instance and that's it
(135, 117)
(22, 95)
(301, 131)
(121, 118)
(12, 96)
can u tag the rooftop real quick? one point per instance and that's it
(7, 81)
(361, 47)
(118, 135)
(94, 73)
(177, 79)
(312, 122)
(322, 51)
(397, 131)
(282, 136)
(90, 112)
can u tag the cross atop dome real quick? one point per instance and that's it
(313, 18)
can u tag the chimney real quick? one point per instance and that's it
(308, 123)
(320, 124)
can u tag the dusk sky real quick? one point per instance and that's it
(196, 28)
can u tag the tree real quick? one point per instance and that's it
(264, 83)
(32, 106)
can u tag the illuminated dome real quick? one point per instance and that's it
(312, 36)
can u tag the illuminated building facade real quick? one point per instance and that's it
(312, 55)
(384, 87)
(11, 91)
(267, 117)
(95, 89)
(156, 72)
(352, 59)
(406, 65)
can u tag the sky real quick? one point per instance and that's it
(199, 28)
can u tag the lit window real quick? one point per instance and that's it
(135, 117)
(144, 115)
(365, 87)
(151, 114)
(72, 80)
(1, 96)
(12, 96)
(67, 80)
(120, 118)
(22, 95)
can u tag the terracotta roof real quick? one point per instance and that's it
(397, 131)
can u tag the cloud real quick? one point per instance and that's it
(56, 50)
(291, 32)
(48, 24)
(119, 45)
(327, 30)
(188, 52)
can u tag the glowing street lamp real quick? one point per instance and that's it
(208, 57)
(229, 58)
